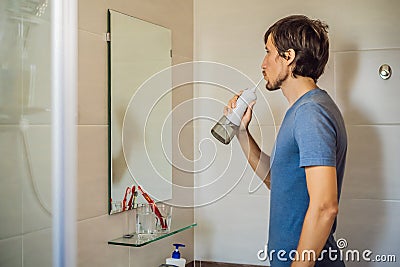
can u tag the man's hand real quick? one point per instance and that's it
(246, 116)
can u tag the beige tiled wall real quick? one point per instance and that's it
(95, 226)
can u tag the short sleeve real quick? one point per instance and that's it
(315, 136)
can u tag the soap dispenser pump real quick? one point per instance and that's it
(176, 257)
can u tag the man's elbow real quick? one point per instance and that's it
(329, 211)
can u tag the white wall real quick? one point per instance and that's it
(364, 34)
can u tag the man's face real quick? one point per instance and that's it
(274, 67)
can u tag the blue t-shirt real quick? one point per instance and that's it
(312, 134)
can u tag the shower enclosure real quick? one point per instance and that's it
(26, 206)
(25, 131)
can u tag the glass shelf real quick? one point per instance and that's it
(143, 239)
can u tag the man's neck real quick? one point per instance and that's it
(294, 88)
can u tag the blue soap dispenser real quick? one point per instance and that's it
(176, 257)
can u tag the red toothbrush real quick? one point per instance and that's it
(127, 190)
(130, 204)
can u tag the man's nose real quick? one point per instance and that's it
(264, 63)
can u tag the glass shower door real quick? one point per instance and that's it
(25, 133)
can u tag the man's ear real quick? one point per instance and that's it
(289, 56)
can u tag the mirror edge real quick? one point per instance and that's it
(109, 109)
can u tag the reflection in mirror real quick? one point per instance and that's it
(140, 126)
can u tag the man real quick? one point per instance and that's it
(305, 170)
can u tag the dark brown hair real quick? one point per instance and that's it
(308, 38)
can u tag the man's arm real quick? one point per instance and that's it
(258, 160)
(321, 213)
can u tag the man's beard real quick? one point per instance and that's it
(272, 88)
(277, 84)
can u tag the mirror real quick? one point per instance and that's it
(140, 127)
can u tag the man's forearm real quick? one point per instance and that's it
(258, 160)
(316, 228)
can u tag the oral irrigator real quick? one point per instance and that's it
(226, 128)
